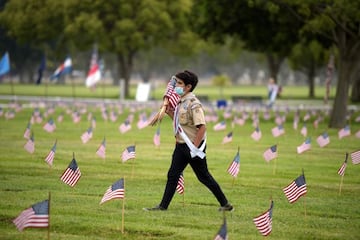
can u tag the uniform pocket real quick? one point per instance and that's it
(183, 119)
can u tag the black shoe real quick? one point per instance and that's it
(227, 207)
(156, 208)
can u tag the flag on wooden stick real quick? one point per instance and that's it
(30, 144)
(101, 150)
(263, 222)
(180, 188)
(355, 157)
(222, 233)
(128, 153)
(115, 191)
(71, 174)
(270, 153)
(51, 155)
(234, 167)
(323, 139)
(36, 216)
(27, 133)
(295, 189)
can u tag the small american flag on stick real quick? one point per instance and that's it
(71, 174)
(36, 216)
(115, 191)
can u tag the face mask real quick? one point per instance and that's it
(179, 90)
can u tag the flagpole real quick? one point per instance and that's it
(48, 235)
(274, 168)
(342, 175)
(305, 194)
(341, 183)
(183, 198)
(122, 212)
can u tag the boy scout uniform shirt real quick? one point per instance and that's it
(190, 115)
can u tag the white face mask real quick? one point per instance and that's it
(179, 90)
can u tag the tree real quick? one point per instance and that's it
(339, 22)
(255, 22)
(125, 27)
(35, 26)
(308, 57)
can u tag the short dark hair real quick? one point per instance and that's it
(188, 77)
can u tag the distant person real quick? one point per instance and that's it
(190, 135)
(273, 90)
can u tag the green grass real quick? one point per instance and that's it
(112, 92)
(76, 214)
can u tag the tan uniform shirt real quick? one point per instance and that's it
(190, 115)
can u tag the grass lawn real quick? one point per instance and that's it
(75, 213)
(112, 92)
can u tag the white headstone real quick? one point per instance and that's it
(143, 92)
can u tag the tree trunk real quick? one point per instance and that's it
(311, 76)
(338, 114)
(125, 65)
(355, 89)
(274, 63)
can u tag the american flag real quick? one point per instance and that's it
(36, 216)
(143, 122)
(113, 116)
(263, 222)
(278, 131)
(94, 74)
(93, 122)
(304, 146)
(156, 138)
(307, 116)
(296, 121)
(323, 139)
(104, 114)
(71, 174)
(220, 126)
(357, 134)
(86, 136)
(256, 135)
(49, 126)
(124, 127)
(27, 132)
(303, 130)
(76, 117)
(234, 167)
(170, 93)
(344, 132)
(341, 170)
(60, 117)
(270, 153)
(355, 157)
(30, 144)
(180, 188)
(295, 189)
(128, 153)
(115, 191)
(222, 233)
(101, 150)
(50, 157)
(228, 138)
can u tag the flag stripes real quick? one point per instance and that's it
(72, 174)
(295, 189)
(263, 222)
(115, 191)
(36, 216)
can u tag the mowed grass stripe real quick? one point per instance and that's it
(76, 213)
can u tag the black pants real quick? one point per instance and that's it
(180, 159)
